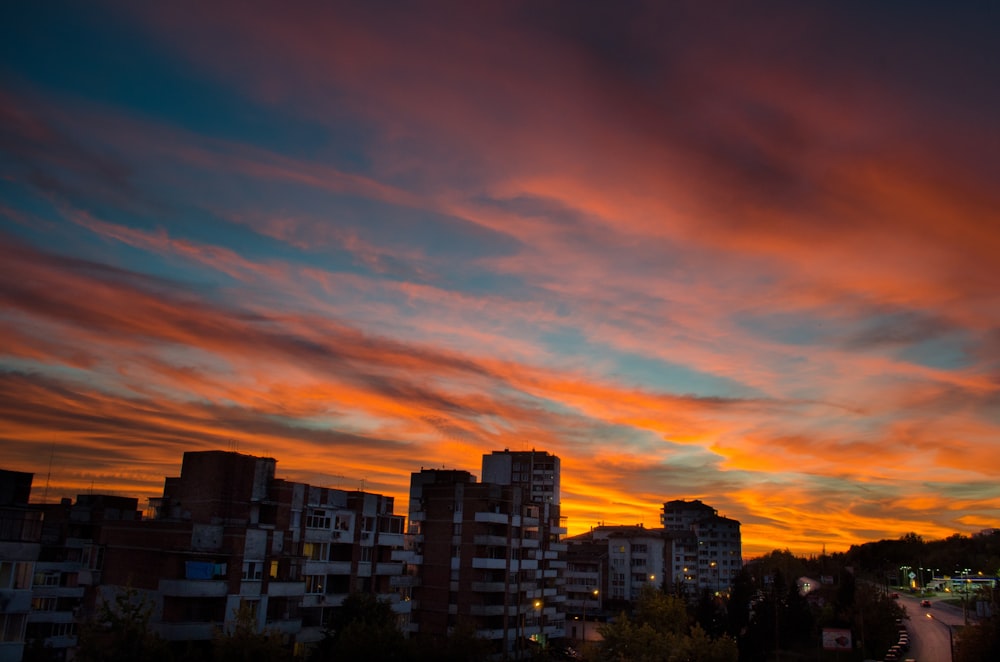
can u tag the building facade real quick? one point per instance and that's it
(488, 555)
(228, 536)
(20, 544)
(706, 547)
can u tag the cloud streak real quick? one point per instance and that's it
(697, 255)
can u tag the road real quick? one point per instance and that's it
(929, 629)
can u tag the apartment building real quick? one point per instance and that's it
(227, 534)
(617, 561)
(488, 554)
(20, 536)
(69, 565)
(586, 584)
(707, 548)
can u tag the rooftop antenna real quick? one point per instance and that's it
(52, 454)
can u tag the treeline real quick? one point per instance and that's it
(980, 553)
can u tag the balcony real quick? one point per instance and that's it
(285, 589)
(199, 631)
(388, 569)
(60, 641)
(558, 546)
(492, 610)
(193, 588)
(493, 518)
(15, 600)
(288, 626)
(390, 539)
(58, 591)
(51, 617)
(407, 556)
(326, 568)
(489, 564)
(404, 581)
(499, 541)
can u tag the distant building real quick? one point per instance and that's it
(227, 534)
(707, 548)
(20, 543)
(617, 561)
(586, 583)
(69, 565)
(488, 555)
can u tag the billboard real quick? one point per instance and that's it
(836, 639)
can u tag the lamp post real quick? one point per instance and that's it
(595, 594)
(951, 634)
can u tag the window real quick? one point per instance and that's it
(390, 524)
(11, 627)
(50, 578)
(367, 524)
(274, 570)
(316, 551)
(93, 557)
(343, 523)
(366, 554)
(314, 583)
(252, 570)
(16, 574)
(317, 519)
(43, 604)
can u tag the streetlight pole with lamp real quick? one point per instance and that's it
(595, 594)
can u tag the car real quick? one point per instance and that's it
(925, 603)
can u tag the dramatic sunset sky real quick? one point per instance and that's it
(748, 254)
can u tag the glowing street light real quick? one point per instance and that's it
(595, 594)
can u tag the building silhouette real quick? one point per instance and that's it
(488, 555)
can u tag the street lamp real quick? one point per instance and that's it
(595, 594)
(951, 636)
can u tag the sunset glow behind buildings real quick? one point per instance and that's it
(748, 254)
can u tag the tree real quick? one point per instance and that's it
(120, 631)
(664, 613)
(245, 643)
(659, 631)
(981, 641)
(364, 628)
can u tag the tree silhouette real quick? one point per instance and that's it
(243, 642)
(120, 631)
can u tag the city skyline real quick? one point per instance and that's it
(739, 254)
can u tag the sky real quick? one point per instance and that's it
(742, 252)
